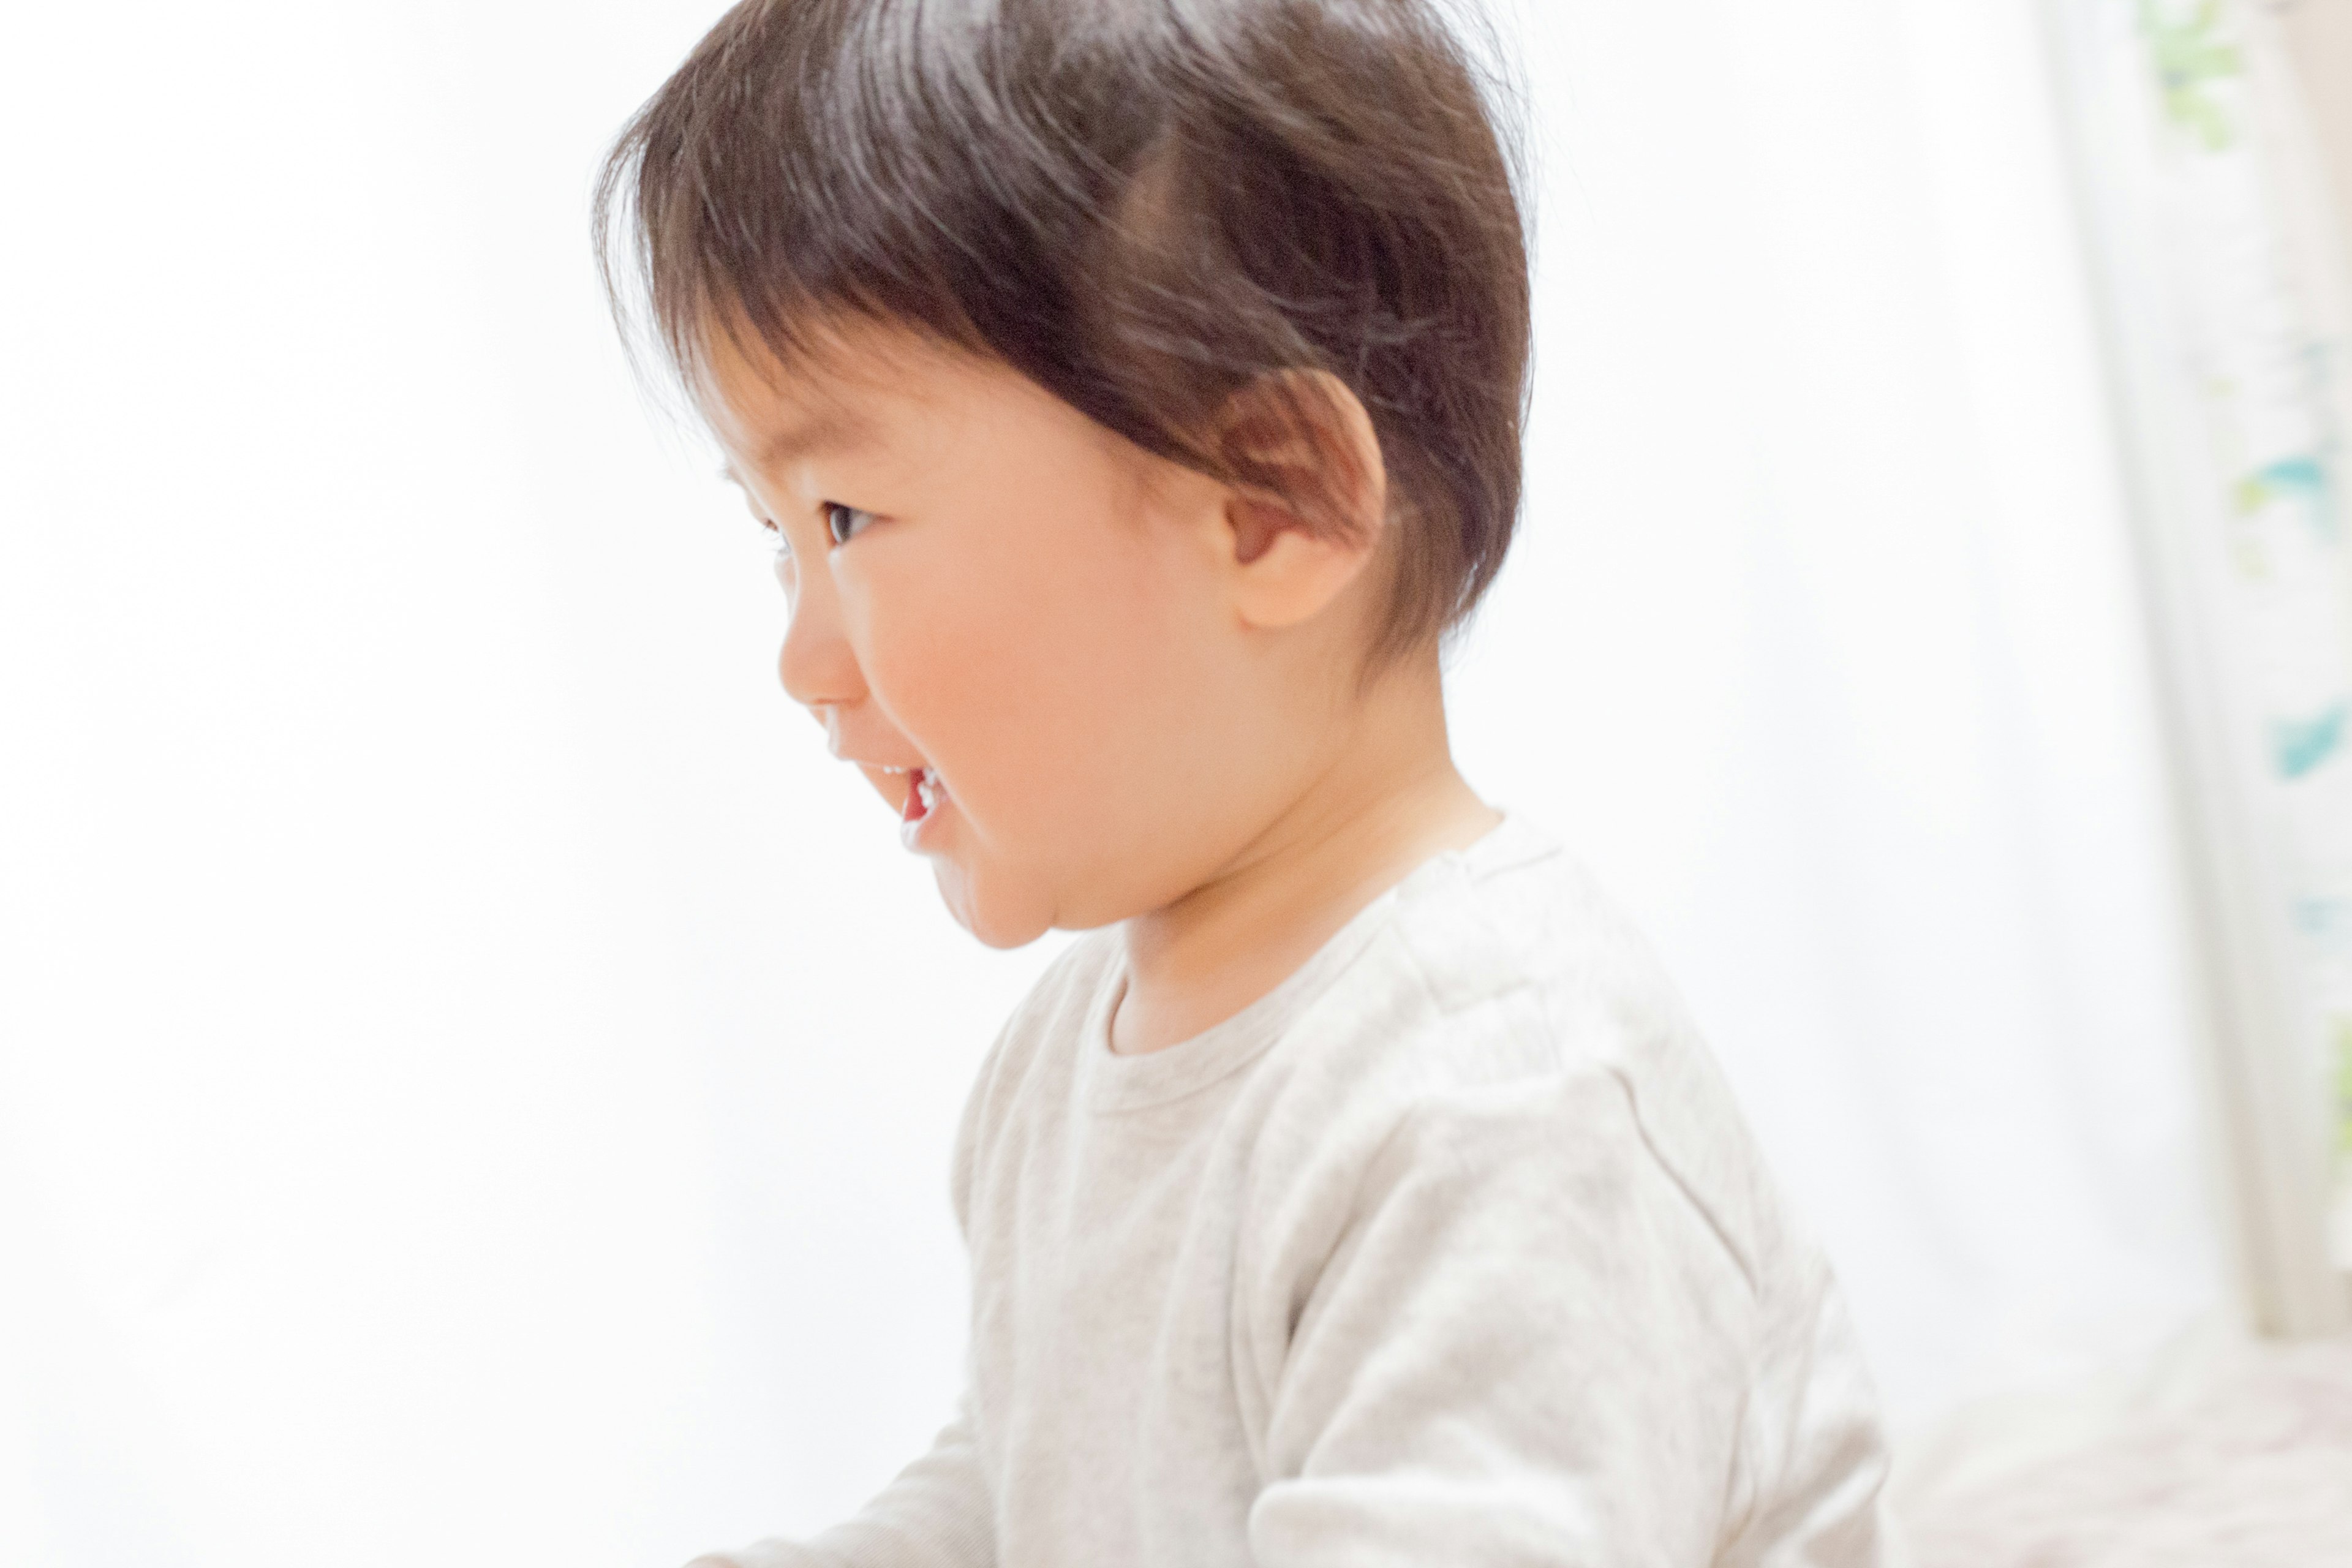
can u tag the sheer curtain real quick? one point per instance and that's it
(476, 1083)
(1844, 677)
(2209, 223)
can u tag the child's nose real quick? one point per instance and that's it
(816, 666)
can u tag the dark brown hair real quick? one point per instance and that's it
(1145, 206)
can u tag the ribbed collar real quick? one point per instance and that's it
(1115, 1082)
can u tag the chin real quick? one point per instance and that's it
(997, 921)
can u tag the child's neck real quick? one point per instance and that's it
(1390, 800)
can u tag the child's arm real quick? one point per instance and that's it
(935, 1514)
(1529, 1342)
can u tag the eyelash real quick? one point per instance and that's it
(833, 529)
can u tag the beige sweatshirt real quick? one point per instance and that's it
(1453, 1250)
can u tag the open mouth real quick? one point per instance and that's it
(924, 795)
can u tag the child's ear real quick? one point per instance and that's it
(1309, 507)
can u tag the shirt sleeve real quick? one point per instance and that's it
(935, 1514)
(1526, 1344)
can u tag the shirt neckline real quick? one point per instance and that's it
(1126, 1083)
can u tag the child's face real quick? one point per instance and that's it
(985, 584)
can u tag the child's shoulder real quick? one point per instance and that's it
(1504, 960)
(1508, 985)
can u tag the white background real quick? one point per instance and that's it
(476, 1079)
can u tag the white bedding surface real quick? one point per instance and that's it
(2249, 1468)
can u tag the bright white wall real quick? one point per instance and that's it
(475, 1083)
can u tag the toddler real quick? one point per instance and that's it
(1133, 389)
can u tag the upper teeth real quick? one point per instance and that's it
(928, 786)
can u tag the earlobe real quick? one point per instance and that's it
(1309, 513)
(1291, 575)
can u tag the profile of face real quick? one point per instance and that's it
(1062, 662)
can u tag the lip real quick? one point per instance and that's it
(890, 780)
(893, 781)
(919, 834)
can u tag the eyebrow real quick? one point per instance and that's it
(831, 431)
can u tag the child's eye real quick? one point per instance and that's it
(845, 522)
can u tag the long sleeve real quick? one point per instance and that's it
(1526, 1344)
(935, 1514)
